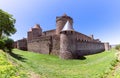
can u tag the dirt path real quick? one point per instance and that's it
(34, 75)
(116, 68)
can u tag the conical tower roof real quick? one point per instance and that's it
(68, 27)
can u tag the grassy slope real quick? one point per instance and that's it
(115, 73)
(7, 68)
(47, 66)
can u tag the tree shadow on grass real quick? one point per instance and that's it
(17, 56)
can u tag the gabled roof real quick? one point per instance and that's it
(68, 27)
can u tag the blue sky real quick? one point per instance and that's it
(98, 17)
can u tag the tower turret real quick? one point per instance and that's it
(67, 42)
(60, 22)
(107, 46)
(29, 34)
(92, 37)
(36, 31)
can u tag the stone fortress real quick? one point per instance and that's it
(63, 41)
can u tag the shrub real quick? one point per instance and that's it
(117, 47)
(2, 44)
(8, 44)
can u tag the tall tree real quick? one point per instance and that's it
(7, 24)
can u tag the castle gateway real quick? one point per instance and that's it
(63, 41)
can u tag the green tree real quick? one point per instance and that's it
(6, 24)
(2, 44)
(8, 44)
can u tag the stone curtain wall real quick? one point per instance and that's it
(87, 48)
(51, 45)
(45, 45)
(21, 44)
(82, 37)
(49, 33)
(40, 45)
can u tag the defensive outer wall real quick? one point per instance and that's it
(63, 41)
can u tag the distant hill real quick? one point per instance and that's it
(114, 45)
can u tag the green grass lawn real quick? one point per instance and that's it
(48, 66)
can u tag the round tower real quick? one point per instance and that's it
(107, 46)
(29, 34)
(60, 22)
(67, 42)
(36, 31)
(92, 37)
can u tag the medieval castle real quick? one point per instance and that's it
(63, 41)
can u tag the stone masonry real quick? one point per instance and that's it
(63, 41)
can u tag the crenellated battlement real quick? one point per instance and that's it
(63, 41)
